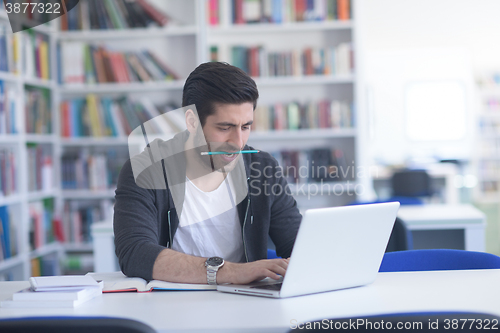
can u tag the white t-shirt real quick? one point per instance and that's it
(209, 224)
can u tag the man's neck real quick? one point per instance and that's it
(201, 176)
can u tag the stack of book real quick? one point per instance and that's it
(55, 292)
(106, 117)
(82, 63)
(257, 61)
(7, 109)
(284, 11)
(293, 116)
(112, 14)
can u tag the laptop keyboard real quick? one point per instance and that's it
(274, 286)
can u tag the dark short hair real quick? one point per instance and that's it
(218, 82)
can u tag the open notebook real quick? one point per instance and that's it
(118, 282)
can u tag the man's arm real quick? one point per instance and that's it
(175, 266)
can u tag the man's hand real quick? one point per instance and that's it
(252, 271)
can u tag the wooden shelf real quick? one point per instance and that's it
(94, 141)
(40, 195)
(11, 200)
(137, 33)
(88, 194)
(78, 247)
(41, 138)
(291, 27)
(303, 134)
(11, 262)
(110, 88)
(303, 80)
(9, 77)
(33, 81)
(46, 249)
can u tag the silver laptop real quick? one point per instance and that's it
(336, 248)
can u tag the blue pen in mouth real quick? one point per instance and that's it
(228, 153)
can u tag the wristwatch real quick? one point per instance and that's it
(213, 264)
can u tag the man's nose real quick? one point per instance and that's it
(236, 138)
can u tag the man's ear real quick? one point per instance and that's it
(192, 121)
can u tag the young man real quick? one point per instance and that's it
(184, 216)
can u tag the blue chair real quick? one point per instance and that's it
(73, 325)
(271, 254)
(437, 259)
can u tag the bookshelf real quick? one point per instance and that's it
(24, 91)
(488, 156)
(182, 44)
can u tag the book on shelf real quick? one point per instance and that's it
(8, 116)
(38, 112)
(259, 62)
(82, 63)
(118, 282)
(83, 170)
(40, 167)
(113, 14)
(8, 172)
(8, 234)
(10, 51)
(284, 11)
(78, 216)
(295, 116)
(36, 55)
(105, 117)
(325, 165)
(41, 228)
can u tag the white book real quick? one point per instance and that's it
(29, 294)
(66, 282)
(95, 292)
(118, 282)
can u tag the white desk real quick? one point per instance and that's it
(207, 311)
(448, 217)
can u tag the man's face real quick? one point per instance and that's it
(227, 130)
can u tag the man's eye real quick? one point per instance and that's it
(246, 127)
(224, 128)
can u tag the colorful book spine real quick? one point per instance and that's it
(40, 167)
(296, 116)
(81, 63)
(8, 234)
(8, 172)
(311, 61)
(41, 223)
(78, 217)
(8, 118)
(105, 117)
(38, 112)
(37, 55)
(113, 14)
(287, 11)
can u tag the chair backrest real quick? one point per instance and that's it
(73, 325)
(401, 238)
(411, 183)
(437, 259)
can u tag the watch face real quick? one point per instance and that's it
(215, 261)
